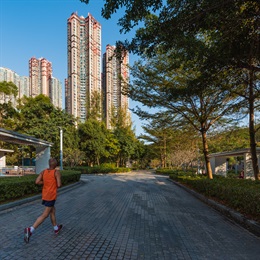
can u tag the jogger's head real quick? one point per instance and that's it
(53, 163)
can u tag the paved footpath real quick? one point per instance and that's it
(126, 216)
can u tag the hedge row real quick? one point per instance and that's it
(238, 194)
(12, 188)
(105, 169)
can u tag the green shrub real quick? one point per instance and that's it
(164, 171)
(241, 195)
(104, 169)
(70, 176)
(12, 188)
(17, 187)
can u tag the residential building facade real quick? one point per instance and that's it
(56, 92)
(42, 82)
(83, 84)
(114, 77)
(40, 73)
(22, 83)
(39, 82)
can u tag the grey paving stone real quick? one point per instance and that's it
(126, 216)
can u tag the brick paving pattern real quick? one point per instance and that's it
(126, 216)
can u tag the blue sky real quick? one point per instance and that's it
(38, 28)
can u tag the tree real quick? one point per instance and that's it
(174, 145)
(94, 107)
(230, 28)
(120, 117)
(8, 116)
(8, 89)
(39, 118)
(126, 142)
(142, 155)
(121, 128)
(94, 141)
(159, 133)
(7, 110)
(183, 93)
(229, 139)
(73, 157)
(158, 139)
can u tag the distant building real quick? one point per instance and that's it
(56, 92)
(24, 87)
(42, 82)
(83, 84)
(21, 82)
(115, 75)
(40, 73)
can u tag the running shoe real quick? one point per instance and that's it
(27, 234)
(58, 230)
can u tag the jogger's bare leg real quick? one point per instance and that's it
(43, 216)
(53, 216)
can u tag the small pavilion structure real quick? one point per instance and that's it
(3, 152)
(43, 148)
(219, 161)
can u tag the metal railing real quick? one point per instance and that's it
(17, 170)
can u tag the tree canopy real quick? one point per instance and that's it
(223, 37)
(183, 93)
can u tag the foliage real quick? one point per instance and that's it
(13, 188)
(94, 142)
(103, 169)
(39, 118)
(73, 157)
(17, 187)
(224, 35)
(159, 134)
(7, 111)
(8, 116)
(94, 107)
(8, 88)
(120, 118)
(186, 97)
(69, 177)
(241, 195)
(127, 144)
(142, 155)
(230, 27)
(229, 139)
(175, 172)
(174, 147)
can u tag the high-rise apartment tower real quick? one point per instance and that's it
(40, 72)
(83, 85)
(21, 82)
(42, 82)
(115, 77)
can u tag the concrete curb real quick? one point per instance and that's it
(30, 199)
(249, 224)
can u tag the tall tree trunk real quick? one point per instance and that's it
(161, 158)
(164, 150)
(206, 153)
(252, 127)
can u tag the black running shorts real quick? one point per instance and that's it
(48, 203)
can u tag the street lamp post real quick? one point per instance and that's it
(61, 148)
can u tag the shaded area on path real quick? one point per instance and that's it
(126, 216)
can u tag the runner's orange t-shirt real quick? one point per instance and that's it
(49, 190)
